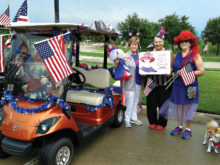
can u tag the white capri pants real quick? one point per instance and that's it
(131, 101)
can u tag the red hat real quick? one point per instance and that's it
(187, 36)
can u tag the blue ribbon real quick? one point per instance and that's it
(8, 97)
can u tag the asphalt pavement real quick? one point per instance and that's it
(140, 145)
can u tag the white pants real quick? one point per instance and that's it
(131, 101)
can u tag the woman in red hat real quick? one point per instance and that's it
(183, 100)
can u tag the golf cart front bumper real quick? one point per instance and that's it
(15, 147)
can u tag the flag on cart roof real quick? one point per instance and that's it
(187, 75)
(54, 59)
(21, 15)
(149, 86)
(62, 38)
(2, 54)
(5, 18)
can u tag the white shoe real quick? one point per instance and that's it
(127, 124)
(137, 122)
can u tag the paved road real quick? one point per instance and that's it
(212, 65)
(141, 146)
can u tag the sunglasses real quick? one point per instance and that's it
(185, 41)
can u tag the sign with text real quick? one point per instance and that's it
(155, 62)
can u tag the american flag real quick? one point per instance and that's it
(206, 47)
(149, 86)
(21, 15)
(62, 38)
(54, 59)
(5, 18)
(2, 54)
(139, 105)
(187, 75)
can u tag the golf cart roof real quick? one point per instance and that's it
(48, 27)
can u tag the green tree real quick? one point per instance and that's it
(174, 24)
(134, 24)
(211, 33)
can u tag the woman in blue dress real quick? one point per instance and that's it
(183, 101)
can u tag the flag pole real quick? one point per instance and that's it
(27, 11)
(56, 8)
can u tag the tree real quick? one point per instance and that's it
(174, 24)
(211, 33)
(134, 24)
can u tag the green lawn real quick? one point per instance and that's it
(209, 99)
(212, 69)
(211, 59)
(92, 54)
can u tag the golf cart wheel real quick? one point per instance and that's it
(119, 117)
(57, 152)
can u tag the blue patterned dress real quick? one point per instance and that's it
(178, 103)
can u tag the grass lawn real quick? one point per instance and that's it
(212, 69)
(211, 59)
(209, 98)
(92, 54)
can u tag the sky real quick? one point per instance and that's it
(115, 11)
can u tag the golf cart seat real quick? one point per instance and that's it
(97, 78)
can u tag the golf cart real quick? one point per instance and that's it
(38, 115)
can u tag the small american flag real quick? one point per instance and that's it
(5, 18)
(149, 86)
(206, 47)
(54, 59)
(139, 105)
(21, 15)
(187, 75)
(2, 54)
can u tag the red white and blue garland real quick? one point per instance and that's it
(8, 97)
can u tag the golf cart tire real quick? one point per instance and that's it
(119, 117)
(51, 148)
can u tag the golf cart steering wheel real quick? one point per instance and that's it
(10, 78)
(77, 77)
